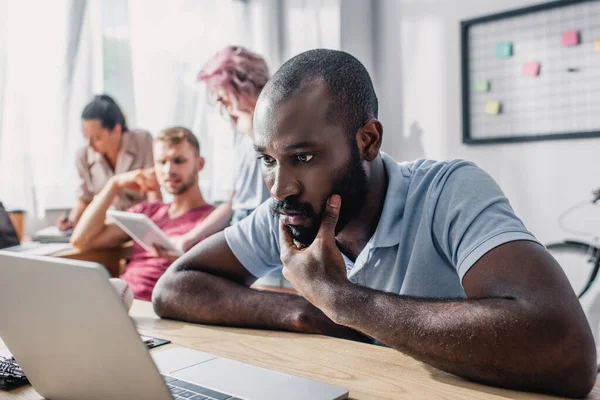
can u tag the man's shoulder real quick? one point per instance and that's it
(260, 220)
(425, 166)
(255, 240)
(428, 178)
(450, 182)
(200, 213)
(428, 171)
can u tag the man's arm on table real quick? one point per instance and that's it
(209, 285)
(508, 333)
(521, 327)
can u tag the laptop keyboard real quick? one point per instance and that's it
(185, 390)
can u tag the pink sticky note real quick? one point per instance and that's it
(531, 68)
(570, 38)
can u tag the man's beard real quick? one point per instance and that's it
(187, 184)
(352, 186)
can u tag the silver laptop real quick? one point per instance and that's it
(69, 331)
(9, 241)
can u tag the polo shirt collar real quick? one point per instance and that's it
(389, 228)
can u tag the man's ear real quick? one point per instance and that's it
(200, 163)
(368, 139)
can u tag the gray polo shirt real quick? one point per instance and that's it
(438, 219)
(250, 188)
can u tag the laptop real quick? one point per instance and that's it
(9, 241)
(71, 335)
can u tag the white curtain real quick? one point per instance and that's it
(311, 24)
(45, 67)
(170, 41)
(3, 44)
(147, 54)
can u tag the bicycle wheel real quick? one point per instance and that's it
(573, 256)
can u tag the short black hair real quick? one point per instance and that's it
(105, 108)
(347, 81)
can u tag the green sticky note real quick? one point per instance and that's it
(482, 85)
(504, 50)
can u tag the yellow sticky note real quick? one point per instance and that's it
(492, 107)
(598, 45)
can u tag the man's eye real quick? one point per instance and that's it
(304, 158)
(266, 159)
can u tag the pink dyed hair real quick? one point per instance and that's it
(236, 70)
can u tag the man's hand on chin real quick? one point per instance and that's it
(317, 272)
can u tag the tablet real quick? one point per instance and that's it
(141, 229)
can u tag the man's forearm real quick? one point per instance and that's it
(92, 221)
(504, 342)
(204, 298)
(200, 297)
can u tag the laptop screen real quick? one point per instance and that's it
(8, 235)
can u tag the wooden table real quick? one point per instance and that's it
(112, 259)
(370, 372)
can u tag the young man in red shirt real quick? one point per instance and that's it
(177, 162)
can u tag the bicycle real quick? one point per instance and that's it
(576, 252)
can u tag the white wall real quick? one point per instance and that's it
(356, 30)
(419, 85)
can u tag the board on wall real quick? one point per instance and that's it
(532, 73)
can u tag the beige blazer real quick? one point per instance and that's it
(94, 170)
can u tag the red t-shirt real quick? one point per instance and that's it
(144, 268)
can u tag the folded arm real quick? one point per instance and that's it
(521, 327)
(209, 285)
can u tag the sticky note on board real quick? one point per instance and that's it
(482, 85)
(598, 45)
(570, 38)
(531, 68)
(493, 107)
(504, 50)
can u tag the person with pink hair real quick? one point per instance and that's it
(235, 77)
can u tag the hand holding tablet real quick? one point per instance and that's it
(143, 231)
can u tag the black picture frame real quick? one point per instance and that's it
(466, 84)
